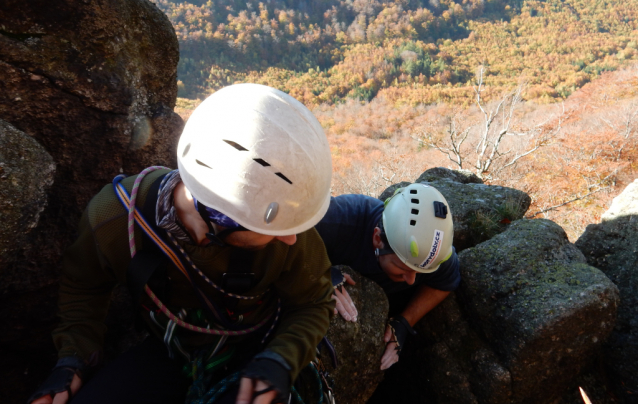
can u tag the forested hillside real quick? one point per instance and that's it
(394, 84)
(411, 51)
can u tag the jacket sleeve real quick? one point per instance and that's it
(307, 306)
(91, 268)
(85, 291)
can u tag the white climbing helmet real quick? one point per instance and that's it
(260, 157)
(418, 224)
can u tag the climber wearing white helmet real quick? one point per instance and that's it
(405, 245)
(220, 257)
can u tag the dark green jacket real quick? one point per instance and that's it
(99, 259)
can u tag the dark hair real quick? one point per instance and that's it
(386, 245)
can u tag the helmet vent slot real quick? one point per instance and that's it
(202, 164)
(412, 222)
(186, 150)
(413, 191)
(415, 211)
(283, 177)
(415, 201)
(236, 145)
(262, 162)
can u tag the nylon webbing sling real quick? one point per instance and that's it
(136, 216)
(150, 259)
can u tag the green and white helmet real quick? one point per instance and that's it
(418, 224)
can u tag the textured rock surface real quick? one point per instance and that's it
(359, 345)
(480, 211)
(26, 173)
(439, 173)
(544, 311)
(389, 191)
(94, 83)
(447, 362)
(612, 246)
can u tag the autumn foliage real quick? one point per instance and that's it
(390, 80)
(410, 51)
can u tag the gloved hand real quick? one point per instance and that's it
(265, 380)
(345, 306)
(63, 382)
(396, 332)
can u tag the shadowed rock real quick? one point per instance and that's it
(26, 173)
(359, 345)
(447, 362)
(542, 309)
(612, 246)
(94, 83)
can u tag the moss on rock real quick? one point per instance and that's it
(541, 307)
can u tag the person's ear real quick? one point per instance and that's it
(376, 238)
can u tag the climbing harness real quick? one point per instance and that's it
(134, 215)
(206, 361)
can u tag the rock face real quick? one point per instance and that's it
(359, 345)
(480, 211)
(530, 314)
(389, 191)
(440, 173)
(612, 246)
(26, 173)
(544, 311)
(94, 83)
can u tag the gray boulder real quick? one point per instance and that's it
(447, 362)
(95, 84)
(359, 345)
(440, 173)
(389, 191)
(612, 246)
(542, 309)
(26, 173)
(480, 211)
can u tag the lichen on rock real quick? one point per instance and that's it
(542, 309)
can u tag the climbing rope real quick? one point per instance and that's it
(134, 215)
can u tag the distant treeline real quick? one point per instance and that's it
(413, 51)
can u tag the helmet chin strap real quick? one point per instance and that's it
(386, 249)
(218, 238)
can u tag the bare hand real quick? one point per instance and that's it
(62, 397)
(247, 388)
(390, 356)
(344, 305)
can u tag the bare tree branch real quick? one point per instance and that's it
(566, 202)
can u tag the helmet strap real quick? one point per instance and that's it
(217, 239)
(386, 249)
